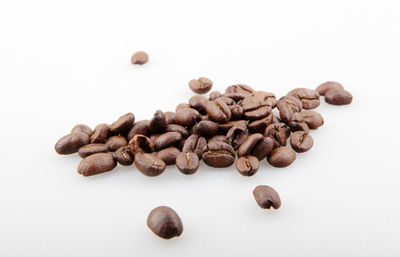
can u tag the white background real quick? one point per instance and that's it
(68, 62)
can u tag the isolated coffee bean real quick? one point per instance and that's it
(282, 157)
(205, 128)
(169, 117)
(166, 140)
(218, 111)
(218, 155)
(115, 142)
(149, 164)
(122, 125)
(186, 117)
(139, 58)
(100, 134)
(214, 95)
(247, 165)
(140, 144)
(218, 138)
(82, 128)
(124, 156)
(198, 102)
(279, 132)
(225, 127)
(338, 97)
(237, 111)
(325, 87)
(237, 135)
(312, 118)
(96, 164)
(301, 141)
(259, 126)
(158, 123)
(195, 144)
(308, 97)
(187, 163)
(168, 155)
(238, 92)
(177, 128)
(266, 197)
(201, 85)
(165, 222)
(71, 143)
(139, 128)
(90, 149)
(288, 105)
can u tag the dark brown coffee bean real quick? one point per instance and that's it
(219, 138)
(258, 113)
(218, 111)
(96, 164)
(247, 146)
(247, 165)
(259, 126)
(139, 58)
(177, 128)
(82, 128)
(313, 119)
(263, 148)
(301, 141)
(308, 97)
(282, 157)
(158, 123)
(100, 134)
(181, 106)
(71, 143)
(325, 87)
(238, 92)
(124, 156)
(266, 197)
(166, 140)
(186, 117)
(225, 127)
(168, 155)
(201, 85)
(149, 164)
(122, 125)
(187, 163)
(258, 99)
(218, 155)
(237, 111)
(214, 95)
(279, 132)
(338, 97)
(139, 128)
(226, 100)
(198, 102)
(194, 144)
(288, 105)
(141, 143)
(299, 126)
(90, 149)
(115, 142)
(165, 222)
(205, 128)
(169, 117)
(237, 135)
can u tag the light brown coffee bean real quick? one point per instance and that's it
(82, 128)
(201, 85)
(115, 142)
(325, 87)
(139, 58)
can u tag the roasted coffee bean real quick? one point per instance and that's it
(259, 126)
(288, 105)
(90, 149)
(165, 222)
(325, 87)
(313, 119)
(198, 102)
(258, 113)
(100, 134)
(82, 128)
(308, 97)
(141, 143)
(139, 128)
(139, 58)
(238, 92)
(338, 97)
(194, 144)
(201, 85)
(247, 165)
(226, 100)
(186, 117)
(149, 164)
(258, 105)
(153, 137)
(214, 95)
(247, 146)
(122, 125)
(279, 132)
(237, 111)
(71, 143)
(237, 135)
(263, 148)
(124, 156)
(218, 155)
(158, 123)
(299, 126)
(169, 117)
(187, 163)
(266, 197)
(225, 127)
(301, 141)
(115, 142)
(205, 128)
(218, 111)
(181, 106)
(282, 157)
(177, 128)
(168, 155)
(96, 164)
(166, 140)
(219, 138)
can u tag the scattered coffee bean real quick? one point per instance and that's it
(166, 140)
(218, 111)
(100, 134)
(279, 132)
(90, 149)
(201, 85)
(82, 128)
(139, 128)
(186, 117)
(312, 118)
(338, 97)
(165, 222)
(115, 142)
(187, 163)
(308, 97)
(325, 87)
(194, 144)
(96, 164)
(124, 156)
(237, 135)
(259, 126)
(256, 145)
(168, 155)
(282, 157)
(122, 125)
(149, 164)
(205, 128)
(301, 141)
(198, 102)
(139, 58)
(71, 143)
(218, 155)
(140, 144)
(158, 123)
(288, 105)
(266, 197)
(247, 165)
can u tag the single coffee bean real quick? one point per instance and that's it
(247, 146)
(288, 105)
(279, 132)
(247, 165)
(338, 97)
(225, 127)
(214, 95)
(186, 117)
(158, 123)
(259, 126)
(139, 128)
(140, 144)
(201, 85)
(187, 163)
(301, 141)
(124, 156)
(96, 164)
(237, 135)
(139, 58)
(282, 157)
(82, 128)
(169, 117)
(177, 128)
(168, 155)
(198, 102)
(237, 111)
(90, 149)
(308, 97)
(325, 87)
(205, 128)
(100, 134)
(258, 113)
(194, 144)
(313, 119)
(238, 92)
(71, 143)
(219, 138)
(115, 142)
(149, 164)
(263, 148)
(258, 99)
(226, 100)
(218, 155)
(218, 111)
(166, 140)
(123, 124)
(165, 222)
(299, 126)
(266, 197)
(181, 106)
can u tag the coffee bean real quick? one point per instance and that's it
(96, 164)
(166, 140)
(214, 95)
(181, 106)
(313, 119)
(201, 85)
(247, 146)
(186, 117)
(82, 128)
(288, 105)
(198, 102)
(299, 126)
(124, 156)
(100, 134)
(169, 117)
(122, 125)
(168, 155)
(153, 137)
(258, 105)
(256, 145)
(139, 128)
(187, 163)
(218, 138)
(139, 58)
(226, 100)
(338, 97)
(140, 144)
(218, 111)
(158, 123)
(194, 144)
(266, 197)
(279, 132)
(301, 141)
(71, 143)
(308, 97)
(237, 135)
(205, 128)
(247, 165)
(115, 142)
(177, 128)
(238, 92)
(237, 111)
(149, 164)
(165, 222)
(225, 127)
(218, 155)
(325, 87)
(90, 149)
(259, 126)
(282, 157)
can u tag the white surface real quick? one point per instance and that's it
(64, 63)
